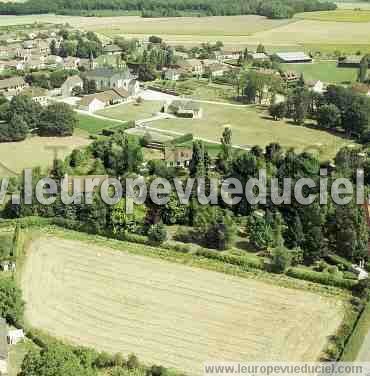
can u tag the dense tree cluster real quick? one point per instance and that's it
(11, 303)
(22, 115)
(171, 8)
(338, 109)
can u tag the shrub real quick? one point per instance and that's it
(244, 262)
(157, 234)
(132, 362)
(281, 260)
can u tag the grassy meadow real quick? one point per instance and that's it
(36, 151)
(132, 111)
(94, 125)
(251, 126)
(325, 71)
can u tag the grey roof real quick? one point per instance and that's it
(3, 341)
(292, 56)
(112, 48)
(108, 73)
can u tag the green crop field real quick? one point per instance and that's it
(253, 127)
(340, 15)
(167, 313)
(325, 71)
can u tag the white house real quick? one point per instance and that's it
(15, 336)
(172, 74)
(317, 86)
(91, 104)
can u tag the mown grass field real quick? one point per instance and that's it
(168, 313)
(94, 125)
(132, 111)
(35, 151)
(340, 15)
(325, 71)
(253, 127)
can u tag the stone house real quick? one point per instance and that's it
(69, 84)
(178, 156)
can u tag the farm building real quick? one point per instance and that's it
(184, 108)
(258, 56)
(99, 101)
(112, 49)
(3, 348)
(178, 156)
(350, 62)
(293, 57)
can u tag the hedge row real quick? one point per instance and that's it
(181, 139)
(244, 262)
(323, 278)
(337, 260)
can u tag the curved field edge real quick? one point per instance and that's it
(129, 253)
(357, 347)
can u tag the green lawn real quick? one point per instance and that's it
(94, 125)
(325, 71)
(132, 111)
(251, 126)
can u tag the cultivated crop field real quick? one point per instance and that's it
(168, 313)
(251, 126)
(340, 15)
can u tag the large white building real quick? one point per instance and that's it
(109, 78)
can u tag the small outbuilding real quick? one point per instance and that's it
(185, 108)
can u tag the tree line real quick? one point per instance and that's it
(171, 8)
(304, 234)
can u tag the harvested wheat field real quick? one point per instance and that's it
(168, 313)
